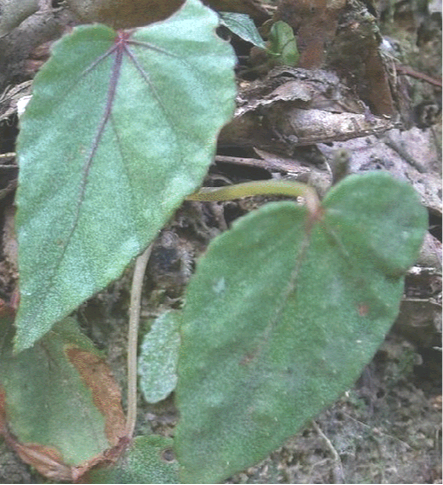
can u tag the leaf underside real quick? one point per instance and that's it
(281, 317)
(122, 126)
(157, 362)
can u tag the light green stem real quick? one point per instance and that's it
(262, 187)
(134, 318)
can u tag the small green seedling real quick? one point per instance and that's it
(281, 47)
(283, 44)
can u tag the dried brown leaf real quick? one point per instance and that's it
(106, 395)
(135, 13)
(122, 13)
(44, 459)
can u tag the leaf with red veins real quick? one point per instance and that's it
(122, 127)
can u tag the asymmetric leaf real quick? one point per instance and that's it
(60, 399)
(283, 313)
(122, 126)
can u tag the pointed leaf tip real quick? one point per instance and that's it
(120, 129)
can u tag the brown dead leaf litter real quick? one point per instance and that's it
(368, 87)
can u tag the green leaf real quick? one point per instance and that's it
(282, 315)
(283, 44)
(157, 363)
(122, 126)
(242, 25)
(59, 395)
(149, 460)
